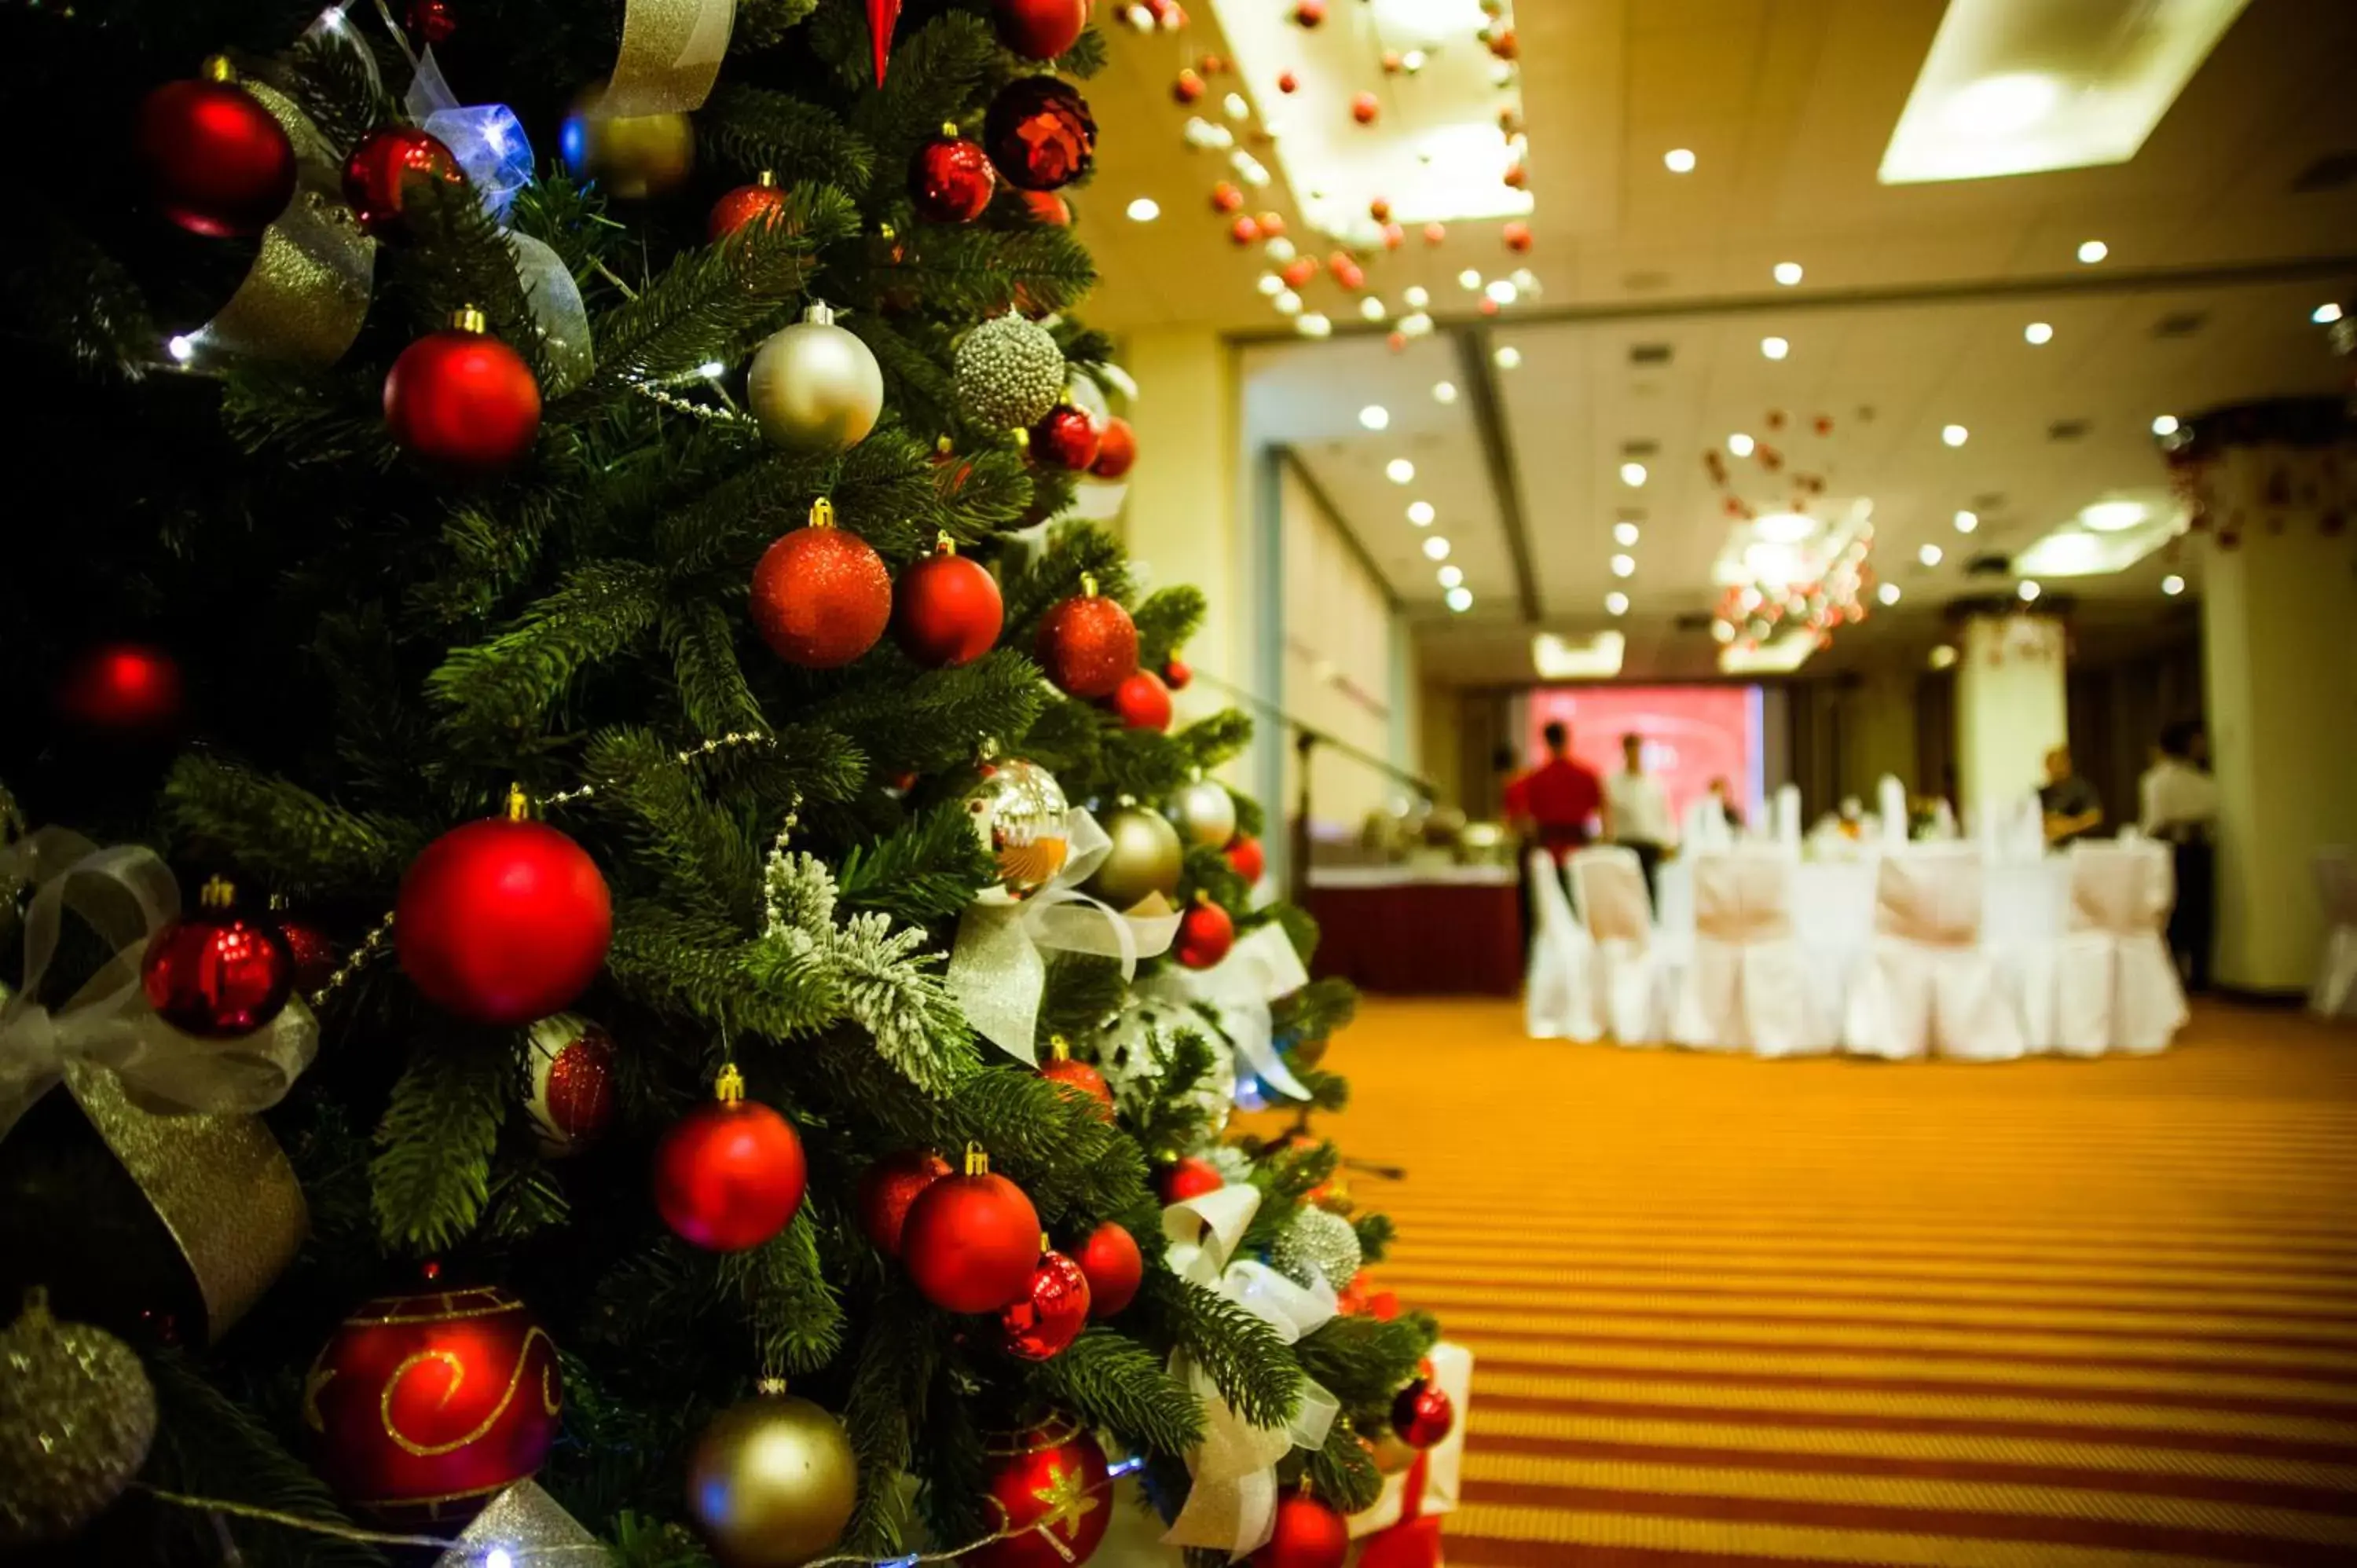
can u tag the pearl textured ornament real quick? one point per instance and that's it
(1316, 1246)
(820, 595)
(773, 1481)
(1145, 860)
(462, 399)
(1009, 372)
(219, 162)
(813, 386)
(946, 610)
(1205, 812)
(1020, 811)
(215, 974)
(76, 1413)
(730, 1174)
(972, 1240)
(1087, 645)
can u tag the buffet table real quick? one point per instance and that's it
(1412, 932)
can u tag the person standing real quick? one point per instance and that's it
(1637, 812)
(2179, 805)
(2068, 803)
(1560, 796)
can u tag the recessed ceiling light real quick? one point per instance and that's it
(1270, 285)
(1784, 527)
(1417, 296)
(2325, 314)
(1679, 160)
(1145, 209)
(1287, 303)
(2164, 425)
(1508, 357)
(1420, 513)
(1399, 470)
(1943, 656)
(1624, 565)
(1501, 291)
(1967, 520)
(1372, 308)
(1444, 392)
(1632, 474)
(1955, 435)
(1740, 443)
(1787, 273)
(1436, 548)
(1774, 348)
(1616, 603)
(1375, 416)
(1887, 593)
(2001, 105)
(2093, 251)
(2029, 590)
(1411, 61)
(2172, 584)
(2111, 516)
(1450, 576)
(1624, 533)
(1931, 554)
(2037, 332)
(1469, 279)
(1460, 599)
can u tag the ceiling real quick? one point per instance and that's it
(1909, 314)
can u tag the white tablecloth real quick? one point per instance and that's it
(2023, 903)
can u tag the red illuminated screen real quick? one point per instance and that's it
(1693, 734)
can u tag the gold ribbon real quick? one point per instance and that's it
(670, 57)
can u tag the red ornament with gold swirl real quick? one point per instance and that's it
(421, 1407)
(1049, 1488)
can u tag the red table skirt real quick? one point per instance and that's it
(1421, 938)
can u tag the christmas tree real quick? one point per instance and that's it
(629, 869)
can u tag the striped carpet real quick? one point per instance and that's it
(2055, 1315)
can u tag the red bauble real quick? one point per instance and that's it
(760, 200)
(971, 1241)
(1299, 272)
(1049, 1488)
(1394, 236)
(1040, 133)
(1205, 935)
(1116, 449)
(422, 1406)
(1067, 437)
(1176, 674)
(1423, 1413)
(1186, 87)
(123, 690)
(946, 610)
(431, 20)
(1516, 177)
(1380, 211)
(314, 955)
(385, 168)
(1309, 12)
(1226, 198)
(1044, 1321)
(1047, 208)
(1365, 107)
(502, 921)
(1081, 1081)
(729, 1174)
(1189, 1178)
(1244, 230)
(1040, 29)
(1115, 1266)
(887, 1189)
(572, 1084)
(1433, 234)
(1308, 1535)
(1272, 225)
(1245, 855)
(1142, 702)
(215, 974)
(820, 597)
(950, 180)
(216, 159)
(1517, 235)
(1087, 644)
(463, 399)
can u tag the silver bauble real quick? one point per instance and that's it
(816, 387)
(1127, 1055)
(76, 1413)
(772, 1482)
(1318, 1245)
(1205, 813)
(1145, 859)
(1010, 373)
(1019, 810)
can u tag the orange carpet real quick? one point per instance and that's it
(2055, 1315)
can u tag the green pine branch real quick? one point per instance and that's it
(1342, 1472)
(1109, 1380)
(1166, 619)
(887, 1404)
(1375, 1233)
(501, 689)
(298, 842)
(752, 129)
(796, 1315)
(1252, 1369)
(431, 1176)
(935, 719)
(701, 639)
(930, 870)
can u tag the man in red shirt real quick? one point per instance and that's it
(1560, 798)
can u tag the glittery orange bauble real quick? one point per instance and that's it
(1087, 645)
(761, 201)
(421, 1407)
(820, 597)
(1049, 1484)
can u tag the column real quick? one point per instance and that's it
(2010, 708)
(1878, 733)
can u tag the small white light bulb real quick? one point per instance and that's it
(1436, 548)
(1460, 599)
(1679, 160)
(1955, 435)
(1145, 209)
(1616, 603)
(2325, 314)
(2037, 333)
(1624, 533)
(2029, 590)
(1370, 308)
(1399, 471)
(1452, 577)
(2093, 251)
(1508, 357)
(2164, 425)
(1740, 443)
(712, 369)
(1931, 555)
(1774, 348)
(1469, 279)
(2172, 584)
(1787, 273)
(1416, 296)
(1887, 593)
(1375, 416)
(1632, 475)
(1967, 520)
(1624, 565)
(1444, 392)
(1420, 513)
(1501, 291)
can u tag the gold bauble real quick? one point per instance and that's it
(76, 1413)
(1205, 813)
(633, 155)
(772, 1482)
(1145, 859)
(1019, 810)
(814, 387)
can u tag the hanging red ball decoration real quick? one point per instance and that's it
(1308, 1535)
(1067, 437)
(1186, 87)
(886, 1190)
(1423, 1414)
(123, 690)
(1244, 230)
(430, 21)
(1116, 449)
(1365, 108)
(1309, 12)
(1517, 235)
(1048, 208)
(1040, 29)
(218, 162)
(1433, 234)
(950, 180)
(1288, 83)
(1051, 1316)
(1299, 272)
(571, 1102)
(1142, 702)
(946, 610)
(1040, 133)
(461, 399)
(1087, 644)
(1115, 1266)
(1189, 1178)
(215, 974)
(385, 170)
(502, 921)
(314, 955)
(1226, 198)
(1050, 1498)
(1080, 1080)
(421, 1407)
(1244, 855)
(1205, 935)
(883, 16)
(971, 1241)
(761, 201)
(820, 595)
(1176, 674)
(729, 1174)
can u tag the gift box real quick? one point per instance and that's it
(1401, 1528)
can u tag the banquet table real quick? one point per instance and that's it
(1452, 930)
(2023, 902)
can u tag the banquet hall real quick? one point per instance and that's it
(1904, 429)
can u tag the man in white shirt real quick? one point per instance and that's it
(1637, 811)
(2179, 806)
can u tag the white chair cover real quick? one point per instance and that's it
(1610, 888)
(1788, 816)
(2334, 995)
(1747, 986)
(1706, 826)
(1927, 984)
(2108, 985)
(1891, 802)
(1558, 1002)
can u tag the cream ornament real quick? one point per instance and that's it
(76, 1413)
(1316, 1247)
(1204, 813)
(1144, 859)
(816, 387)
(1009, 372)
(1131, 1053)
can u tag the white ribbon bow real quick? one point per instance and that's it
(1232, 1503)
(126, 894)
(996, 971)
(1238, 989)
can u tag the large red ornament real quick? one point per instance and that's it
(1116, 449)
(1244, 855)
(1308, 1535)
(1051, 1316)
(1066, 436)
(883, 16)
(1040, 133)
(1423, 1413)
(123, 689)
(729, 1174)
(1189, 1178)
(463, 399)
(820, 595)
(422, 1406)
(1115, 1266)
(1040, 29)
(760, 201)
(1142, 702)
(945, 609)
(572, 1084)
(1365, 107)
(218, 162)
(1087, 644)
(215, 974)
(503, 920)
(385, 168)
(1079, 1078)
(888, 1187)
(950, 180)
(1048, 1487)
(971, 1241)
(1205, 935)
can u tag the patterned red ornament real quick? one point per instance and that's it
(888, 1187)
(462, 399)
(218, 162)
(1309, 12)
(950, 180)
(1142, 702)
(971, 1241)
(761, 200)
(1040, 29)
(431, 21)
(1308, 1535)
(572, 1084)
(123, 690)
(946, 610)
(1087, 644)
(820, 595)
(1244, 855)
(421, 1407)
(729, 1174)
(1423, 1413)
(883, 16)
(1079, 1079)
(314, 955)
(215, 974)
(1186, 87)
(1175, 674)
(502, 921)
(1517, 235)
(1205, 935)
(1365, 108)
(1048, 1486)
(385, 170)
(1047, 208)
(1189, 1178)
(1045, 1322)
(1116, 449)
(1040, 133)
(1067, 437)
(1115, 1266)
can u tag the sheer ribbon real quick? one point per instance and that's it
(1258, 970)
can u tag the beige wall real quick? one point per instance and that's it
(1341, 640)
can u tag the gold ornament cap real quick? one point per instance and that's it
(467, 319)
(729, 1086)
(217, 893)
(519, 804)
(977, 1160)
(822, 513)
(217, 68)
